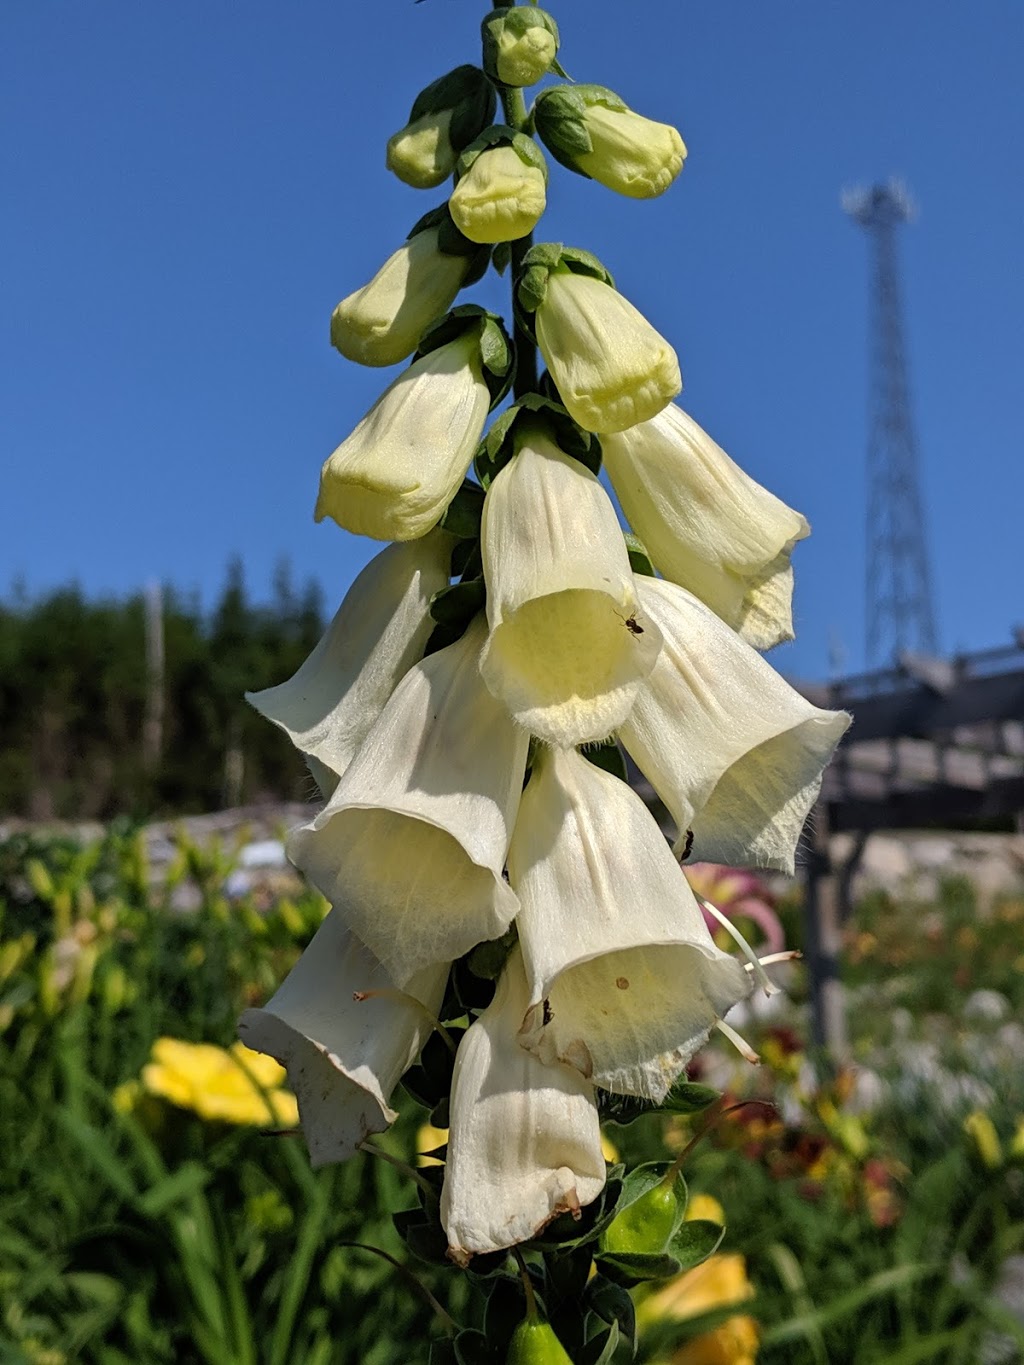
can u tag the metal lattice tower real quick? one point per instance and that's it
(900, 615)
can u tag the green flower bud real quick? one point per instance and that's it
(592, 131)
(534, 1343)
(501, 187)
(520, 44)
(445, 118)
(646, 1227)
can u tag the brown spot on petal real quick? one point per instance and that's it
(569, 1203)
(622, 982)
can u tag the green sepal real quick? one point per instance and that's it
(518, 20)
(613, 1304)
(459, 603)
(500, 135)
(424, 1237)
(608, 756)
(497, 354)
(451, 242)
(639, 559)
(466, 561)
(559, 117)
(508, 432)
(431, 1079)
(542, 259)
(601, 1348)
(501, 256)
(468, 93)
(463, 514)
(569, 1272)
(488, 959)
(694, 1242)
(685, 1097)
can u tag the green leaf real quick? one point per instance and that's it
(614, 1304)
(639, 559)
(462, 517)
(600, 1349)
(687, 1097)
(182, 1183)
(694, 1242)
(459, 603)
(608, 756)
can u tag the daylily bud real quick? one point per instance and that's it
(534, 1343)
(524, 1144)
(382, 323)
(983, 1133)
(520, 44)
(415, 835)
(393, 477)
(378, 633)
(501, 189)
(591, 130)
(625, 979)
(706, 524)
(645, 1226)
(343, 1056)
(444, 118)
(611, 368)
(738, 766)
(562, 653)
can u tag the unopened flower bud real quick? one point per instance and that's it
(644, 1227)
(520, 44)
(592, 131)
(445, 118)
(534, 1343)
(501, 190)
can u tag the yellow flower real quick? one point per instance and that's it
(706, 1208)
(232, 1085)
(733, 1342)
(718, 1282)
(428, 1139)
(982, 1131)
(500, 198)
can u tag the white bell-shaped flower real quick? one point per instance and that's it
(735, 753)
(610, 366)
(381, 323)
(500, 198)
(524, 1143)
(378, 633)
(706, 524)
(343, 1056)
(395, 475)
(414, 838)
(569, 645)
(625, 979)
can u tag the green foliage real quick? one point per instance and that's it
(74, 694)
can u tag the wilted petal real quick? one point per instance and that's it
(378, 633)
(625, 980)
(569, 646)
(414, 838)
(735, 753)
(395, 475)
(524, 1143)
(343, 1056)
(611, 368)
(706, 524)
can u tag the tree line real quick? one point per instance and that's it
(136, 705)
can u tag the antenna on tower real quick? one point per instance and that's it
(900, 615)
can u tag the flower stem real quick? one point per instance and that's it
(531, 1301)
(400, 1165)
(513, 107)
(421, 1288)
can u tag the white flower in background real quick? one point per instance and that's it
(735, 753)
(524, 1143)
(502, 193)
(611, 368)
(414, 838)
(569, 645)
(382, 323)
(706, 524)
(625, 979)
(378, 633)
(395, 475)
(591, 130)
(344, 1057)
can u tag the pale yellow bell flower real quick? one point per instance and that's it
(524, 1143)
(344, 1055)
(626, 982)
(569, 645)
(734, 752)
(421, 154)
(395, 475)
(500, 198)
(414, 838)
(611, 368)
(522, 59)
(630, 154)
(706, 524)
(381, 323)
(380, 630)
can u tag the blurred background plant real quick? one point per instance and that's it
(155, 1204)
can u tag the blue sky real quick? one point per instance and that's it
(190, 188)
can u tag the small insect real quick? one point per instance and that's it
(632, 626)
(547, 1013)
(688, 846)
